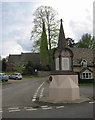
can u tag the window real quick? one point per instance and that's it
(83, 75)
(89, 75)
(57, 63)
(86, 75)
(84, 63)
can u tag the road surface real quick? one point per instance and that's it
(19, 101)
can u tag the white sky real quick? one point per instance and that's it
(17, 17)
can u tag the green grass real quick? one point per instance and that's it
(35, 76)
(27, 76)
(3, 82)
(30, 76)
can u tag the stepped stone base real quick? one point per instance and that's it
(48, 100)
(64, 88)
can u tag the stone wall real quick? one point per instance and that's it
(44, 73)
(77, 69)
(9, 67)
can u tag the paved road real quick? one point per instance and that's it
(19, 101)
(20, 93)
(84, 110)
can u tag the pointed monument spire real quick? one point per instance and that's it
(62, 41)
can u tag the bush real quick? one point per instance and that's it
(18, 67)
(40, 67)
(29, 68)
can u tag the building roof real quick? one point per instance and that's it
(13, 58)
(78, 55)
(83, 53)
(34, 57)
(84, 69)
(24, 58)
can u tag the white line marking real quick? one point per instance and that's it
(41, 94)
(44, 106)
(92, 102)
(47, 108)
(59, 106)
(35, 95)
(1, 111)
(31, 109)
(33, 100)
(14, 110)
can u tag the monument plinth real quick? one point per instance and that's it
(64, 84)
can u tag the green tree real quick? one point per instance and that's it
(87, 41)
(4, 64)
(18, 67)
(51, 62)
(44, 58)
(29, 68)
(48, 14)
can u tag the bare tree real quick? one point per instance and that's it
(49, 15)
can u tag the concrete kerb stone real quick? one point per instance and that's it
(46, 100)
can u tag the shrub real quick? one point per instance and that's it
(40, 67)
(18, 67)
(29, 68)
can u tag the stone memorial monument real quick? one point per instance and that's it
(64, 84)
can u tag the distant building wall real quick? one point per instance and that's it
(76, 69)
(9, 67)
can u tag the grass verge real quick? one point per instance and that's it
(30, 76)
(26, 76)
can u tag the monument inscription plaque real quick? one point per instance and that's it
(65, 64)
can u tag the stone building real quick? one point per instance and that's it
(22, 58)
(84, 62)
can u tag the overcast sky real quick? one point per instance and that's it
(17, 17)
